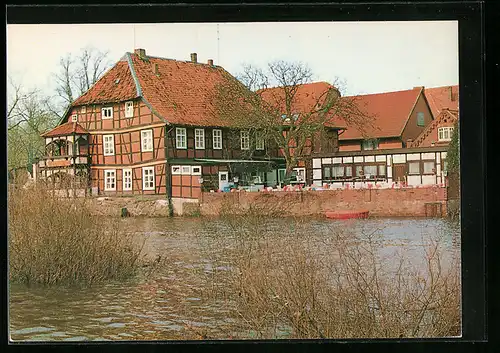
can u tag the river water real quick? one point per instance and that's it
(168, 304)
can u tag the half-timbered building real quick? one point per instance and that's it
(149, 126)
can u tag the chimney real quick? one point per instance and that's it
(140, 52)
(155, 69)
(210, 62)
(450, 89)
(194, 58)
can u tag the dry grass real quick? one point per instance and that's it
(58, 241)
(294, 285)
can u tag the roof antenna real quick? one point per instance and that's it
(218, 59)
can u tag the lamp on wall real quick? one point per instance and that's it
(235, 179)
(200, 180)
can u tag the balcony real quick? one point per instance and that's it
(63, 161)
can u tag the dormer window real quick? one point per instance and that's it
(107, 113)
(74, 118)
(444, 133)
(129, 109)
(83, 109)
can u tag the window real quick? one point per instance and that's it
(259, 141)
(281, 174)
(196, 170)
(180, 137)
(199, 139)
(444, 133)
(414, 168)
(369, 145)
(109, 145)
(148, 178)
(370, 171)
(245, 140)
(217, 139)
(176, 169)
(429, 167)
(147, 140)
(381, 169)
(127, 179)
(83, 109)
(186, 169)
(129, 109)
(420, 119)
(359, 170)
(338, 171)
(107, 112)
(326, 173)
(109, 180)
(74, 118)
(445, 164)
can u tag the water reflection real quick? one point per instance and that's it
(170, 305)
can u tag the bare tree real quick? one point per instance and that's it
(271, 104)
(27, 119)
(77, 73)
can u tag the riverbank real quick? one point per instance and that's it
(399, 202)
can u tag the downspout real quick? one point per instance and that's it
(168, 174)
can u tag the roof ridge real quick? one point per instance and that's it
(134, 75)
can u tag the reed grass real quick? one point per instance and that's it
(55, 240)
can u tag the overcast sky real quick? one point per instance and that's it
(369, 57)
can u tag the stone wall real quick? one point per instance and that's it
(149, 206)
(408, 202)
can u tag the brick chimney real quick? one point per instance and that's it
(140, 52)
(194, 57)
(210, 62)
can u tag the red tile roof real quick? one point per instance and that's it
(442, 97)
(66, 129)
(389, 113)
(181, 93)
(114, 86)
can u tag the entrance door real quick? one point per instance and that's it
(399, 172)
(223, 180)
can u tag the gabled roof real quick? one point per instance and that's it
(389, 114)
(442, 97)
(446, 115)
(181, 92)
(66, 129)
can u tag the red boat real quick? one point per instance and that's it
(347, 214)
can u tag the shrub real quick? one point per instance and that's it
(58, 241)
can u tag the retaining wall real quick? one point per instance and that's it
(407, 202)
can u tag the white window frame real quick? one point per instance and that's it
(129, 109)
(74, 118)
(244, 139)
(103, 115)
(148, 140)
(176, 170)
(185, 169)
(441, 132)
(83, 109)
(179, 133)
(127, 179)
(259, 141)
(112, 174)
(144, 180)
(193, 172)
(110, 151)
(217, 139)
(199, 144)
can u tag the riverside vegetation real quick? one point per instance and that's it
(58, 241)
